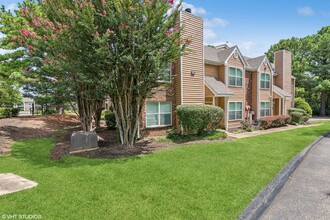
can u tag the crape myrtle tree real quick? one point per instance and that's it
(119, 48)
(59, 36)
(136, 43)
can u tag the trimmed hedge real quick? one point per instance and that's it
(300, 103)
(5, 112)
(197, 118)
(274, 121)
(299, 116)
(9, 112)
(15, 112)
(110, 119)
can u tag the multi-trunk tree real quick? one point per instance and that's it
(118, 48)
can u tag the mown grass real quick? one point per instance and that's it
(207, 181)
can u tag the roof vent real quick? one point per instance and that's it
(188, 10)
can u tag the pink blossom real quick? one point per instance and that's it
(104, 12)
(110, 31)
(171, 1)
(103, 2)
(97, 33)
(54, 36)
(25, 32)
(77, 16)
(30, 48)
(44, 38)
(47, 23)
(124, 24)
(33, 34)
(36, 23)
(24, 10)
(14, 37)
(81, 6)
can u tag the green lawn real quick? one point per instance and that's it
(209, 181)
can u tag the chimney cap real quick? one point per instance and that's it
(188, 10)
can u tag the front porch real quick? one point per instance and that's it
(281, 101)
(217, 94)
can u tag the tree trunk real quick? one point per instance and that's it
(127, 110)
(98, 112)
(86, 109)
(322, 104)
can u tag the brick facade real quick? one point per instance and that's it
(165, 92)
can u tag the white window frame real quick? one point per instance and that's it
(159, 113)
(170, 77)
(265, 109)
(235, 76)
(263, 82)
(236, 119)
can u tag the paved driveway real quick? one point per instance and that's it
(307, 193)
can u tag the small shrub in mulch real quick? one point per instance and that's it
(274, 121)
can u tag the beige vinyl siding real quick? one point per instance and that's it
(222, 73)
(208, 92)
(193, 86)
(211, 70)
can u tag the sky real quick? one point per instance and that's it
(253, 25)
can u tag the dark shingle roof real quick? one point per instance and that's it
(217, 86)
(281, 92)
(215, 56)
(254, 63)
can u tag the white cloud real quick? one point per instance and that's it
(198, 11)
(216, 22)
(11, 7)
(209, 36)
(251, 49)
(306, 11)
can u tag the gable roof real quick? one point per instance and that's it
(281, 92)
(217, 87)
(218, 57)
(254, 63)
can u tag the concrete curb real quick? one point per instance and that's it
(265, 197)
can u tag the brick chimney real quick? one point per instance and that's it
(283, 71)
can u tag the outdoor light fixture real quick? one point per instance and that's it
(193, 73)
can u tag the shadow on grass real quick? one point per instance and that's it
(37, 153)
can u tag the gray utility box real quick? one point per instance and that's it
(83, 140)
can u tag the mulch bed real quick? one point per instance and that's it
(60, 127)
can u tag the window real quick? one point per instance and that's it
(158, 114)
(264, 80)
(235, 77)
(264, 109)
(235, 110)
(166, 76)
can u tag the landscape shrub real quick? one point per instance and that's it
(299, 116)
(50, 111)
(300, 103)
(197, 118)
(5, 112)
(246, 124)
(110, 119)
(15, 112)
(274, 121)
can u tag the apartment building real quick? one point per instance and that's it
(246, 88)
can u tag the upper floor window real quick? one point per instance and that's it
(264, 109)
(158, 114)
(235, 76)
(265, 80)
(235, 110)
(166, 76)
